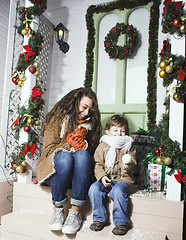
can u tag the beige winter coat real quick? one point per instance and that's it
(53, 142)
(117, 173)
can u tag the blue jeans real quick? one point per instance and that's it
(118, 193)
(72, 171)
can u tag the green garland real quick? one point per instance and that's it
(121, 52)
(172, 66)
(152, 51)
(173, 18)
(28, 117)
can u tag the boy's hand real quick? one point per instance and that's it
(106, 181)
(125, 166)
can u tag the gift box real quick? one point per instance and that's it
(155, 177)
(143, 144)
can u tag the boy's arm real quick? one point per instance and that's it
(99, 168)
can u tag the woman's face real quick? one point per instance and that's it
(85, 106)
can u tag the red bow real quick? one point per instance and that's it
(36, 93)
(181, 74)
(28, 52)
(16, 121)
(176, 4)
(31, 148)
(179, 178)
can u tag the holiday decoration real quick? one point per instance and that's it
(121, 52)
(173, 18)
(152, 50)
(172, 66)
(28, 117)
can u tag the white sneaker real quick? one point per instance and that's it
(72, 223)
(57, 220)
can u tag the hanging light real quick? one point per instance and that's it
(61, 37)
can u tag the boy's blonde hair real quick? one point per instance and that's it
(118, 121)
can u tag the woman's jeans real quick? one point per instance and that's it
(118, 193)
(72, 171)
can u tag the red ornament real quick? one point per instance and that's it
(26, 128)
(177, 22)
(38, 1)
(14, 80)
(157, 152)
(32, 69)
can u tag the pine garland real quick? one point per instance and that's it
(28, 115)
(173, 13)
(177, 64)
(152, 52)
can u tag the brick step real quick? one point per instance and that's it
(27, 225)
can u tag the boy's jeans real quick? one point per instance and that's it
(72, 170)
(118, 192)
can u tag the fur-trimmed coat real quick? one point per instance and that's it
(54, 142)
(117, 173)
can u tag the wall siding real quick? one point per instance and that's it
(4, 18)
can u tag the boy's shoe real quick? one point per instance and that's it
(121, 229)
(57, 220)
(72, 223)
(97, 226)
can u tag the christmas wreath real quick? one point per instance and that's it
(121, 52)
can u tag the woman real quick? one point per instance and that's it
(71, 135)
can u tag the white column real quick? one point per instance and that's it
(25, 95)
(176, 122)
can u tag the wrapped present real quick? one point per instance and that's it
(143, 143)
(155, 177)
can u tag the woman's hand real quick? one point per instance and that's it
(106, 181)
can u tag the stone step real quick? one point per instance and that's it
(148, 211)
(28, 225)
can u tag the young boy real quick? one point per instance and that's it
(114, 161)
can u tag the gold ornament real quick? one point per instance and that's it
(183, 28)
(177, 96)
(167, 160)
(30, 31)
(163, 64)
(20, 83)
(36, 64)
(162, 73)
(22, 77)
(159, 160)
(37, 122)
(24, 32)
(37, 73)
(29, 120)
(169, 69)
(24, 163)
(19, 169)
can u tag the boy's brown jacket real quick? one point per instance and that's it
(117, 173)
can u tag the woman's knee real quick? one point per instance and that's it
(82, 158)
(63, 160)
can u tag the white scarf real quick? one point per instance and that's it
(115, 142)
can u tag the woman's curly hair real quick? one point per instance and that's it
(69, 105)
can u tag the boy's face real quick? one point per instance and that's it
(117, 131)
